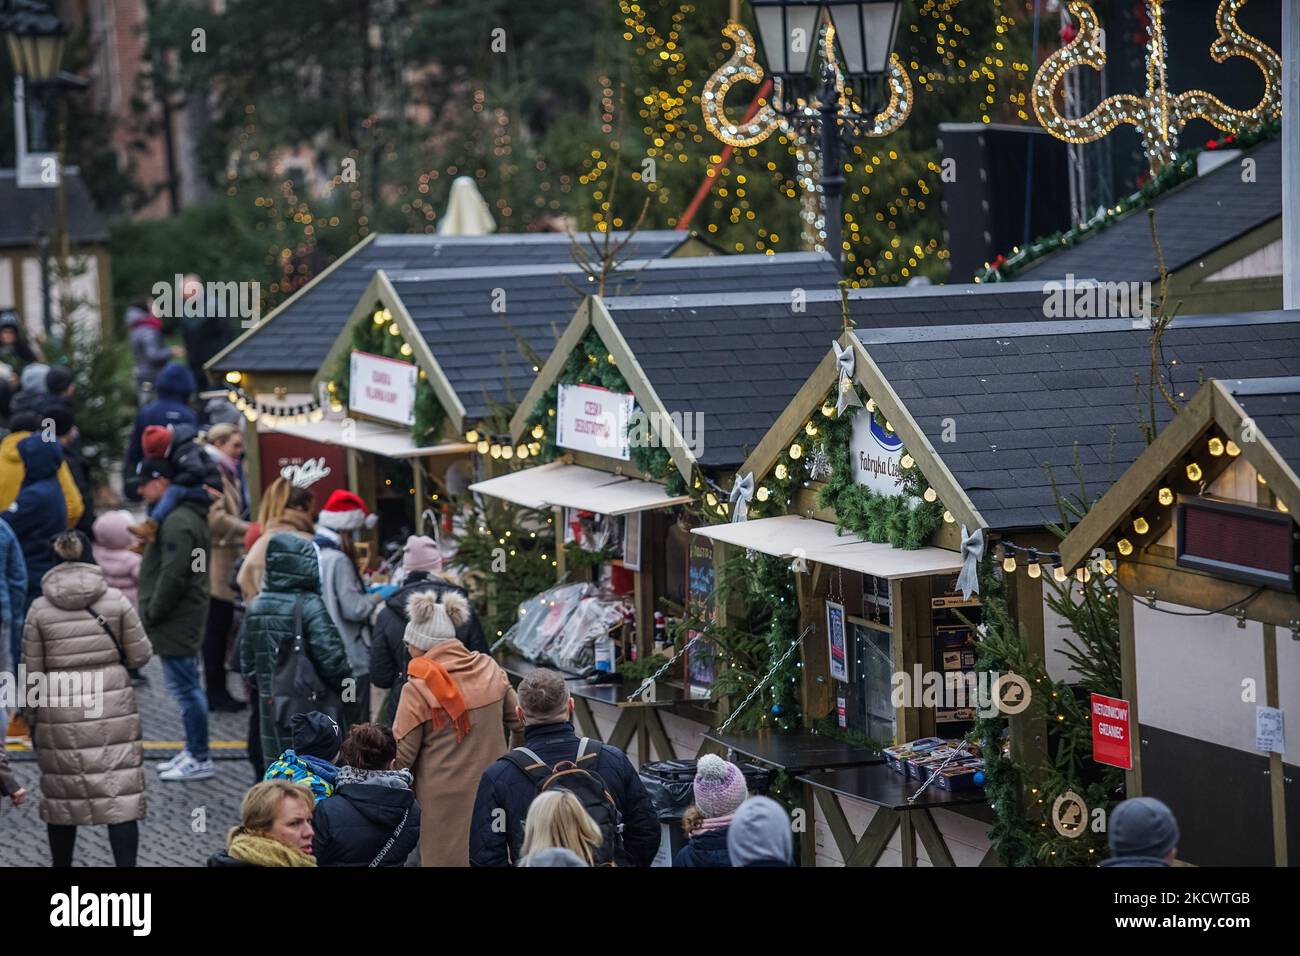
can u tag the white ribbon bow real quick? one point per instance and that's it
(741, 493)
(848, 394)
(972, 550)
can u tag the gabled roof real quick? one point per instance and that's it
(1193, 220)
(27, 211)
(472, 320)
(1223, 406)
(739, 359)
(1020, 396)
(297, 335)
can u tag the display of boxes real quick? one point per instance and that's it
(958, 775)
(897, 757)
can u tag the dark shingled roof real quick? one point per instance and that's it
(26, 211)
(1274, 405)
(477, 347)
(1192, 220)
(1020, 397)
(739, 359)
(298, 337)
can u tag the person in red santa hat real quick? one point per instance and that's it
(343, 591)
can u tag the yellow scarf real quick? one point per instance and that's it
(258, 850)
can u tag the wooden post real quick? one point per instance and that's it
(417, 482)
(815, 687)
(1128, 672)
(1276, 772)
(560, 564)
(1028, 733)
(253, 467)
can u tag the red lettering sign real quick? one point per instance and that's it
(1111, 732)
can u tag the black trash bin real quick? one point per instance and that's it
(670, 785)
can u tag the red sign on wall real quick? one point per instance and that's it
(1111, 732)
(317, 466)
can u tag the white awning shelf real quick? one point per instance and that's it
(573, 486)
(789, 536)
(367, 436)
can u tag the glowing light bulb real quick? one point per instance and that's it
(1083, 575)
(482, 446)
(405, 349)
(828, 410)
(889, 427)
(1232, 449)
(538, 431)
(521, 451)
(1124, 546)
(1009, 564)
(810, 429)
(763, 494)
(948, 518)
(796, 450)
(712, 499)
(1034, 570)
(1216, 446)
(507, 452)
(234, 378)
(1059, 573)
(1165, 496)
(496, 451)
(907, 461)
(871, 404)
(1194, 471)
(781, 471)
(471, 436)
(1140, 525)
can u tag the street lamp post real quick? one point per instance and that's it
(866, 31)
(35, 37)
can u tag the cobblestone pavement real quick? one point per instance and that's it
(184, 822)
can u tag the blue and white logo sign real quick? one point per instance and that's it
(875, 454)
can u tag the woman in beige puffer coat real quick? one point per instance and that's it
(87, 729)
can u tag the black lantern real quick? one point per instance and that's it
(866, 30)
(35, 37)
(787, 30)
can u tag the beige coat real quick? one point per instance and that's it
(250, 575)
(447, 774)
(227, 539)
(88, 750)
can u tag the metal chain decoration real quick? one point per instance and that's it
(742, 67)
(650, 681)
(780, 662)
(1159, 115)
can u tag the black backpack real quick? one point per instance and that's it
(296, 686)
(579, 777)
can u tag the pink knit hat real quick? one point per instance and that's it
(421, 554)
(719, 786)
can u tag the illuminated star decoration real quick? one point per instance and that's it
(1160, 115)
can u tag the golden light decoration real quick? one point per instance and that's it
(234, 378)
(482, 446)
(1216, 447)
(507, 452)
(948, 518)
(1159, 116)
(763, 494)
(796, 450)
(828, 410)
(741, 67)
(1059, 573)
(471, 436)
(1124, 546)
(781, 472)
(810, 429)
(1165, 496)
(1194, 472)
(907, 461)
(930, 495)
(1232, 449)
(1141, 526)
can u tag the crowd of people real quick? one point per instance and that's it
(381, 731)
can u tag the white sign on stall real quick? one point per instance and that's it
(383, 388)
(593, 419)
(875, 454)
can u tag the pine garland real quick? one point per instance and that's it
(375, 338)
(591, 363)
(904, 520)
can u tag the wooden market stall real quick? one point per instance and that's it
(1201, 530)
(643, 409)
(965, 426)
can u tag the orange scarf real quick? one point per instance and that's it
(444, 685)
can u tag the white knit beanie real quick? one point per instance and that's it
(433, 620)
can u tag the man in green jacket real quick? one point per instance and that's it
(174, 609)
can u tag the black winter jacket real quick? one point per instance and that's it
(354, 824)
(388, 654)
(705, 849)
(506, 787)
